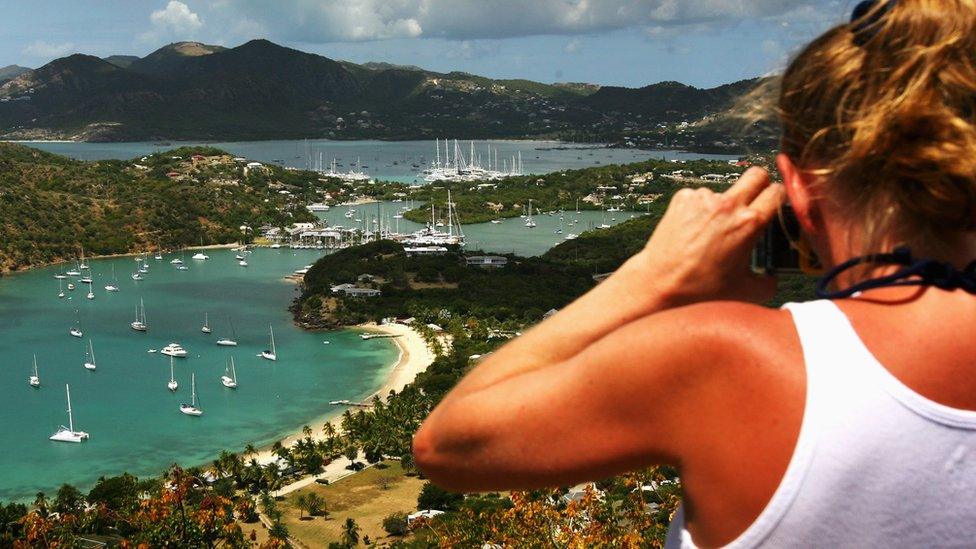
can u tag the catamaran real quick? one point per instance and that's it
(172, 385)
(191, 409)
(68, 434)
(206, 323)
(270, 354)
(174, 349)
(34, 380)
(139, 324)
(200, 256)
(75, 330)
(90, 356)
(229, 378)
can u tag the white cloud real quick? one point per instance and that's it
(44, 50)
(573, 46)
(318, 21)
(175, 21)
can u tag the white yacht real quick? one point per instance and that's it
(572, 236)
(34, 380)
(176, 261)
(529, 222)
(229, 378)
(136, 276)
(242, 263)
(174, 349)
(229, 341)
(71, 286)
(139, 324)
(192, 409)
(68, 434)
(76, 332)
(206, 323)
(172, 385)
(318, 207)
(272, 353)
(114, 286)
(182, 267)
(90, 356)
(200, 256)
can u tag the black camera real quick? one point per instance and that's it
(781, 248)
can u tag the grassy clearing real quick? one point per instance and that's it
(367, 497)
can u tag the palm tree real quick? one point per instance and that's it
(316, 504)
(350, 533)
(302, 502)
(250, 450)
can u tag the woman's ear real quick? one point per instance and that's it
(799, 192)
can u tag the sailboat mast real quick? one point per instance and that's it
(273, 350)
(71, 419)
(171, 377)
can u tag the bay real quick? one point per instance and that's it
(385, 160)
(134, 421)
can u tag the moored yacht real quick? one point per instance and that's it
(272, 353)
(139, 324)
(172, 385)
(90, 356)
(68, 434)
(200, 256)
(34, 380)
(192, 409)
(174, 349)
(229, 379)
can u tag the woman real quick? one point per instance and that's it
(846, 422)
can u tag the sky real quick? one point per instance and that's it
(631, 43)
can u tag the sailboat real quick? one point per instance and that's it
(81, 263)
(75, 330)
(60, 289)
(90, 356)
(71, 286)
(229, 342)
(139, 324)
(529, 222)
(114, 286)
(271, 354)
(34, 380)
(229, 378)
(91, 294)
(172, 385)
(191, 409)
(206, 324)
(68, 434)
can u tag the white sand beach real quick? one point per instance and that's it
(414, 358)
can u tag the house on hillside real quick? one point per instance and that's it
(486, 261)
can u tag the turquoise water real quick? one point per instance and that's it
(509, 236)
(134, 421)
(386, 160)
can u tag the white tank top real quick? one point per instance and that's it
(876, 464)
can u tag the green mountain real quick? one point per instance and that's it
(121, 61)
(52, 206)
(10, 72)
(261, 90)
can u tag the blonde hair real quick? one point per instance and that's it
(883, 114)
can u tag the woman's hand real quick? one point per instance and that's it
(701, 249)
